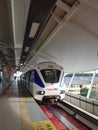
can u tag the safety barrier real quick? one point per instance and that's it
(84, 103)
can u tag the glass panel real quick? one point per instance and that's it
(51, 75)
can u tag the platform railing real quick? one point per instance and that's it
(84, 103)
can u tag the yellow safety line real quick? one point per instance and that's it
(23, 99)
(26, 122)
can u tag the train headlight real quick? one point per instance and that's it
(40, 92)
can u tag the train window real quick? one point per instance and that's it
(51, 75)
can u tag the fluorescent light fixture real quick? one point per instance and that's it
(26, 49)
(33, 30)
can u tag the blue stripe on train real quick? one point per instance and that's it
(38, 80)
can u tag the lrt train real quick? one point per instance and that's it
(45, 82)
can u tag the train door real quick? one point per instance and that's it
(28, 80)
(31, 83)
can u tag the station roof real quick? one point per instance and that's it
(63, 31)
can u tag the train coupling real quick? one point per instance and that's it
(51, 100)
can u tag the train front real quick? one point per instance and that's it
(52, 76)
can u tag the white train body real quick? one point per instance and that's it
(46, 81)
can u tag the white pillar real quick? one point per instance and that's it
(90, 88)
(70, 82)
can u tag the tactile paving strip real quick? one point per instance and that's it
(26, 122)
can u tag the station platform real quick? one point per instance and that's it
(19, 111)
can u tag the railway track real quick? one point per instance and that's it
(61, 119)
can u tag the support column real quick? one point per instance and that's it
(70, 82)
(90, 88)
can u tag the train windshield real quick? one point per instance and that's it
(51, 75)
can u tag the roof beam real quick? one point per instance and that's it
(63, 6)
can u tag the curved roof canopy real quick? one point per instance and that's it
(63, 31)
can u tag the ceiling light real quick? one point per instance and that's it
(27, 49)
(33, 30)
